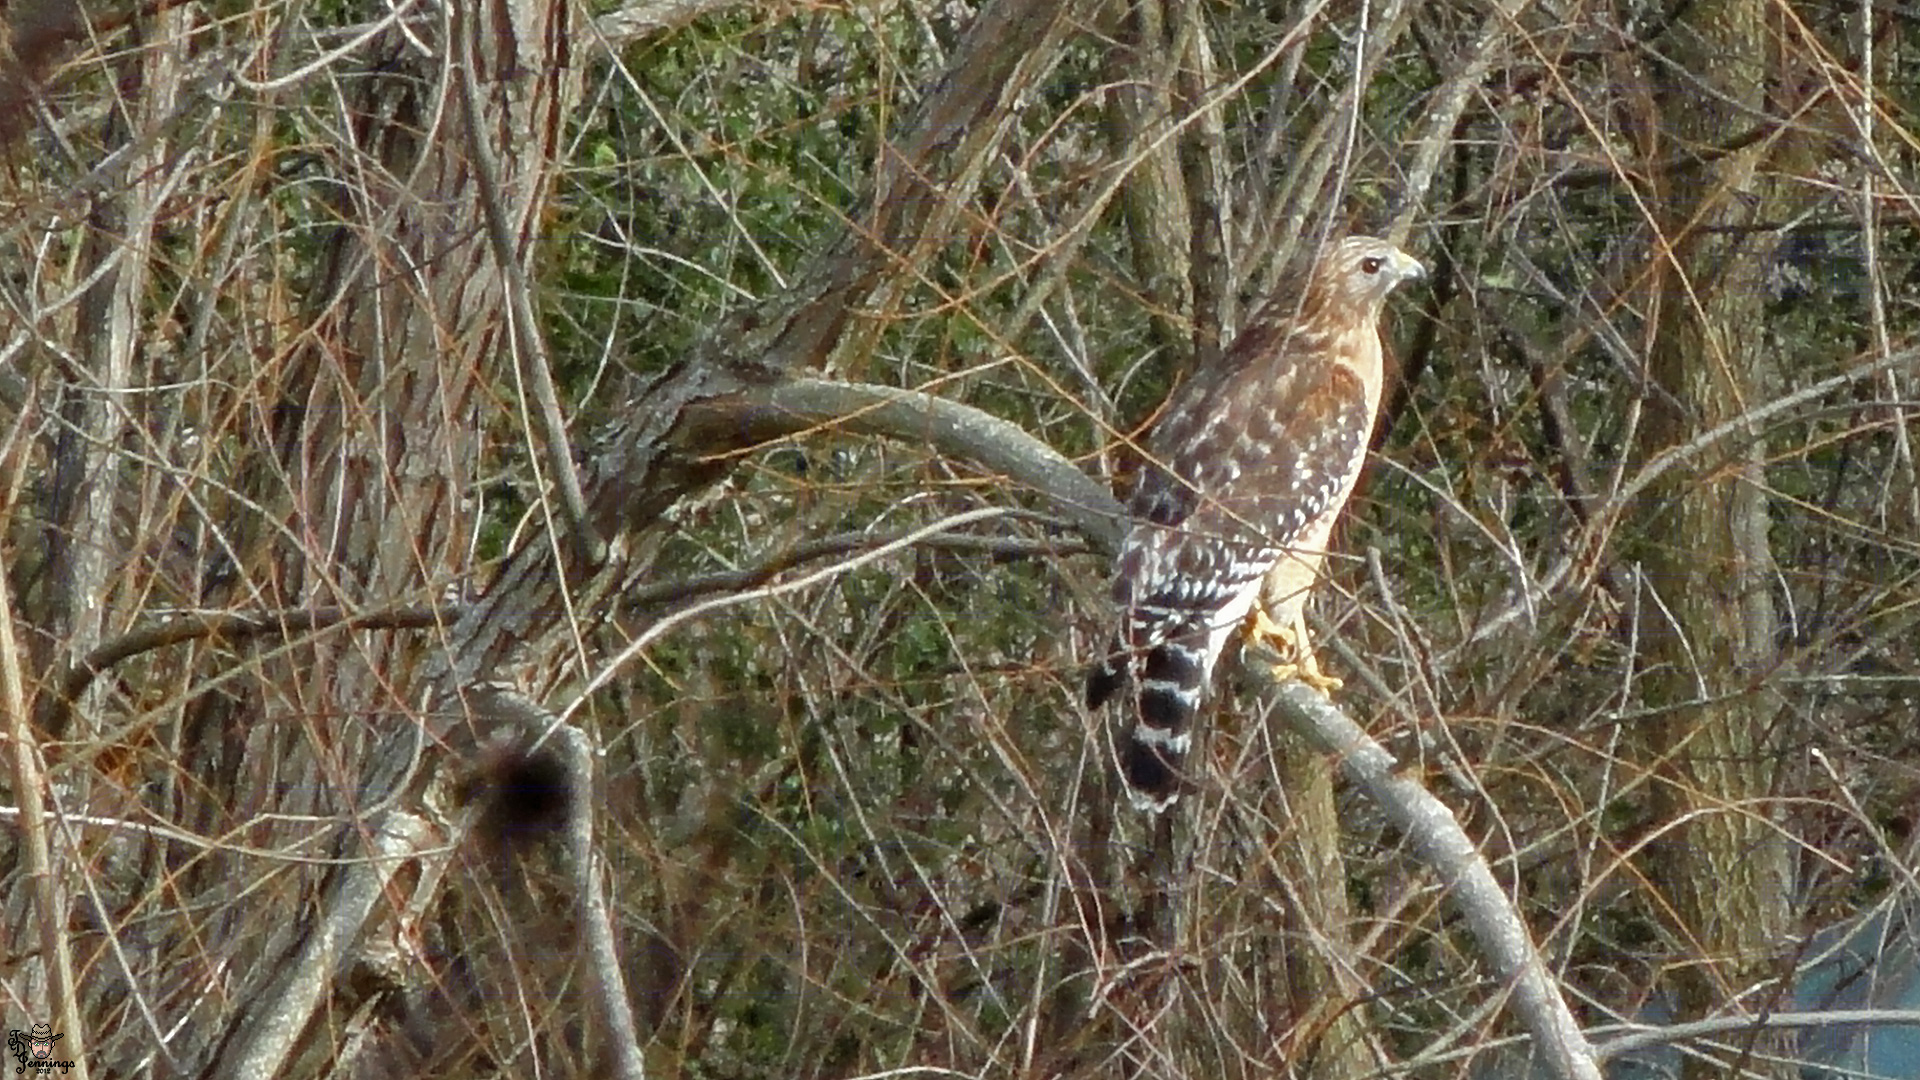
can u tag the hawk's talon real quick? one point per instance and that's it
(1291, 645)
(1311, 674)
(1262, 629)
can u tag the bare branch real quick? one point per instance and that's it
(1443, 119)
(642, 18)
(1641, 1037)
(761, 414)
(175, 628)
(529, 347)
(596, 919)
(270, 1031)
(1451, 854)
(29, 783)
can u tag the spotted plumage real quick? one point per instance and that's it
(1246, 472)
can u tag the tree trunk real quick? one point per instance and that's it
(1723, 869)
(379, 433)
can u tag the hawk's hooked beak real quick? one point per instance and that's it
(1407, 267)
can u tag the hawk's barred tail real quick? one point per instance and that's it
(1110, 676)
(1167, 699)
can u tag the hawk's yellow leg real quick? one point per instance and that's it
(1290, 643)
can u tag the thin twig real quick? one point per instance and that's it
(29, 781)
(1640, 1037)
(179, 627)
(1583, 563)
(1443, 118)
(530, 349)
(618, 663)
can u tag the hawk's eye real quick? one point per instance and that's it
(1370, 264)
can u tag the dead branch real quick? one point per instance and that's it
(1446, 849)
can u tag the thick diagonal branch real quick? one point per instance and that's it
(1447, 850)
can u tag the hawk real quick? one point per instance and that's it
(1246, 472)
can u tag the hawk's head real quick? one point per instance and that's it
(1359, 272)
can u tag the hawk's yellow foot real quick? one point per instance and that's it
(1290, 644)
